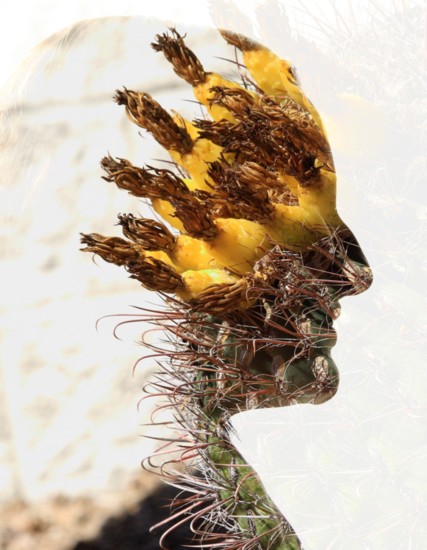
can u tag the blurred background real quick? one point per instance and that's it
(70, 425)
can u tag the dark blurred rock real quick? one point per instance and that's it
(130, 531)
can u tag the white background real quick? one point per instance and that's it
(381, 334)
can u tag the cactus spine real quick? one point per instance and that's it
(253, 271)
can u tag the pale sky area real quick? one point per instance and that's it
(368, 446)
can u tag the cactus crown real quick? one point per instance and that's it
(254, 266)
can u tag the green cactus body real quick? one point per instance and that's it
(252, 276)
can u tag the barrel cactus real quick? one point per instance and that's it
(252, 260)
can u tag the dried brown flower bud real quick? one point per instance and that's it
(220, 132)
(114, 250)
(154, 183)
(151, 272)
(218, 207)
(194, 216)
(184, 62)
(156, 275)
(249, 199)
(150, 115)
(236, 100)
(254, 175)
(149, 234)
(220, 299)
(243, 43)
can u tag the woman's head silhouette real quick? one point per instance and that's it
(252, 269)
(261, 254)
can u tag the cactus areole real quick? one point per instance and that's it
(252, 260)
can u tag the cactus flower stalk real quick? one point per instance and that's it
(252, 259)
